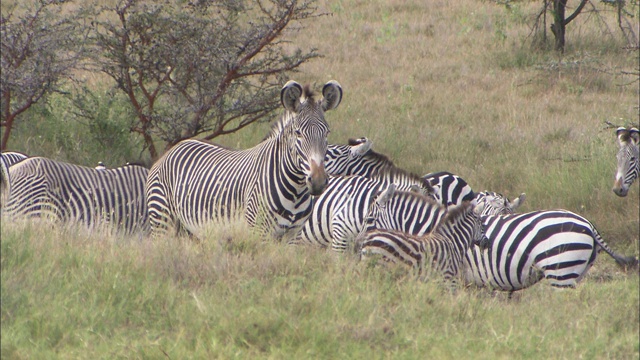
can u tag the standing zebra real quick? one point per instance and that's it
(442, 249)
(628, 160)
(196, 182)
(42, 187)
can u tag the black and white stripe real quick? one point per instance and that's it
(494, 203)
(12, 157)
(449, 189)
(272, 184)
(443, 249)
(338, 215)
(524, 248)
(42, 187)
(628, 158)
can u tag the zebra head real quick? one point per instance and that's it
(464, 221)
(309, 129)
(492, 203)
(628, 162)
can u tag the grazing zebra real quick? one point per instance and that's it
(338, 215)
(272, 184)
(628, 160)
(449, 189)
(12, 157)
(524, 248)
(42, 187)
(498, 204)
(443, 249)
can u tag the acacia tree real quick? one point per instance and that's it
(207, 68)
(40, 49)
(558, 9)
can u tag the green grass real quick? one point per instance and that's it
(444, 85)
(71, 294)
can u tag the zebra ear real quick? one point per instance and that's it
(518, 201)
(290, 95)
(332, 92)
(386, 194)
(634, 133)
(361, 148)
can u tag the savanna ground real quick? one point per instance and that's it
(438, 85)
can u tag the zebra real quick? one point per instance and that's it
(338, 215)
(272, 184)
(358, 158)
(442, 249)
(68, 193)
(525, 248)
(555, 244)
(449, 189)
(101, 166)
(628, 160)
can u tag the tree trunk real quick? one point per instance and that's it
(8, 124)
(559, 24)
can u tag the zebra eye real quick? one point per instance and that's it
(298, 133)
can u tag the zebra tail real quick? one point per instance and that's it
(626, 262)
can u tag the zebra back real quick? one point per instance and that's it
(12, 157)
(449, 189)
(628, 160)
(409, 212)
(42, 187)
(443, 249)
(197, 183)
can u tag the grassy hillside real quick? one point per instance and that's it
(437, 85)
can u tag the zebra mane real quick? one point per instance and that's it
(136, 163)
(393, 172)
(279, 125)
(454, 214)
(307, 93)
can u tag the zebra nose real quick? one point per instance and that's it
(317, 184)
(618, 189)
(318, 179)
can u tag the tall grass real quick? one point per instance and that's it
(75, 294)
(437, 85)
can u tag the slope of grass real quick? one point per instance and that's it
(71, 294)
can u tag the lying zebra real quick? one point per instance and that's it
(522, 248)
(443, 249)
(557, 245)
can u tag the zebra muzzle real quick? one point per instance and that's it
(318, 178)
